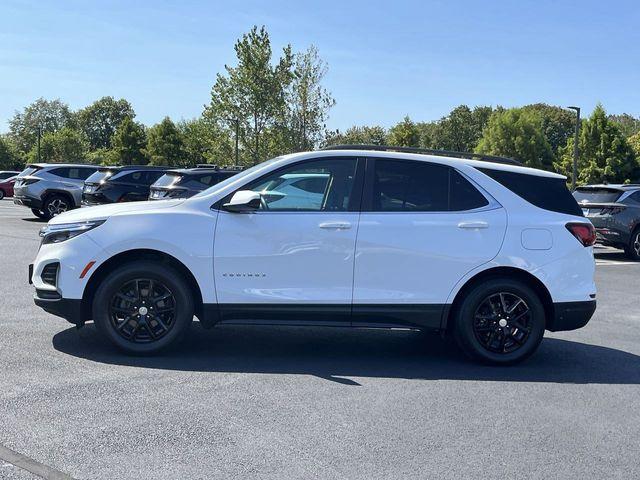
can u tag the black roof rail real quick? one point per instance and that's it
(427, 151)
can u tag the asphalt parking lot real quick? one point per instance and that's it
(247, 402)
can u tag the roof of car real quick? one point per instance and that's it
(439, 158)
(132, 167)
(44, 165)
(204, 169)
(612, 186)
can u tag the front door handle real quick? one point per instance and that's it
(335, 225)
(473, 225)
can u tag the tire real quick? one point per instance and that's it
(55, 205)
(38, 213)
(488, 332)
(633, 249)
(136, 332)
(1, 194)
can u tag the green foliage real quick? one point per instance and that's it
(100, 120)
(628, 124)
(461, 129)
(9, 157)
(517, 133)
(634, 142)
(65, 145)
(164, 144)
(129, 143)
(558, 124)
(49, 115)
(605, 154)
(404, 134)
(308, 102)
(254, 93)
(205, 142)
(358, 135)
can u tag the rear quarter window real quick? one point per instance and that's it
(548, 193)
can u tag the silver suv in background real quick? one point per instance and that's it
(49, 189)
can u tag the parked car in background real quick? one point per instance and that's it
(6, 187)
(5, 174)
(129, 183)
(186, 182)
(49, 189)
(615, 212)
(491, 253)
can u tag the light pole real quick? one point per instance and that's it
(574, 177)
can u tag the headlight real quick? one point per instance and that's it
(65, 231)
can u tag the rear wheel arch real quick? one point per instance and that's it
(129, 256)
(500, 272)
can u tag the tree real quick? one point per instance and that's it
(253, 92)
(309, 102)
(605, 153)
(9, 158)
(461, 129)
(404, 134)
(205, 142)
(628, 124)
(634, 142)
(517, 133)
(129, 142)
(558, 124)
(164, 144)
(358, 135)
(100, 120)
(65, 145)
(47, 115)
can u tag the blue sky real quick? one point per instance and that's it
(386, 59)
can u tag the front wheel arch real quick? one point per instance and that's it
(135, 255)
(499, 272)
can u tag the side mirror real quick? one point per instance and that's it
(243, 201)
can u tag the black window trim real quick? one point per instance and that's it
(355, 200)
(367, 200)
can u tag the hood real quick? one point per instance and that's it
(101, 212)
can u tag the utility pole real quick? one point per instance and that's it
(576, 152)
(39, 135)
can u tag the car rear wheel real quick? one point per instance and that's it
(55, 205)
(1, 194)
(633, 249)
(38, 213)
(143, 307)
(500, 321)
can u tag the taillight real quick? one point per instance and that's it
(584, 232)
(29, 181)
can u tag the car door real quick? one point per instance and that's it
(291, 261)
(423, 227)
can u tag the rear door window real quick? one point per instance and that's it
(400, 185)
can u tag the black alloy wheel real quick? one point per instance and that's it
(143, 310)
(501, 322)
(143, 306)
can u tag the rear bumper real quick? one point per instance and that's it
(68, 308)
(571, 315)
(26, 201)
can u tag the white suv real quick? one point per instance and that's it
(492, 253)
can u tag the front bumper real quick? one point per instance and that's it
(571, 315)
(27, 201)
(68, 308)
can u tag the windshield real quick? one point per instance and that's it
(596, 195)
(167, 180)
(99, 176)
(236, 177)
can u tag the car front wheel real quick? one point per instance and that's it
(143, 307)
(500, 321)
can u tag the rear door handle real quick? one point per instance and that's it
(335, 225)
(473, 225)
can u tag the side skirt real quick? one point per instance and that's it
(417, 316)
